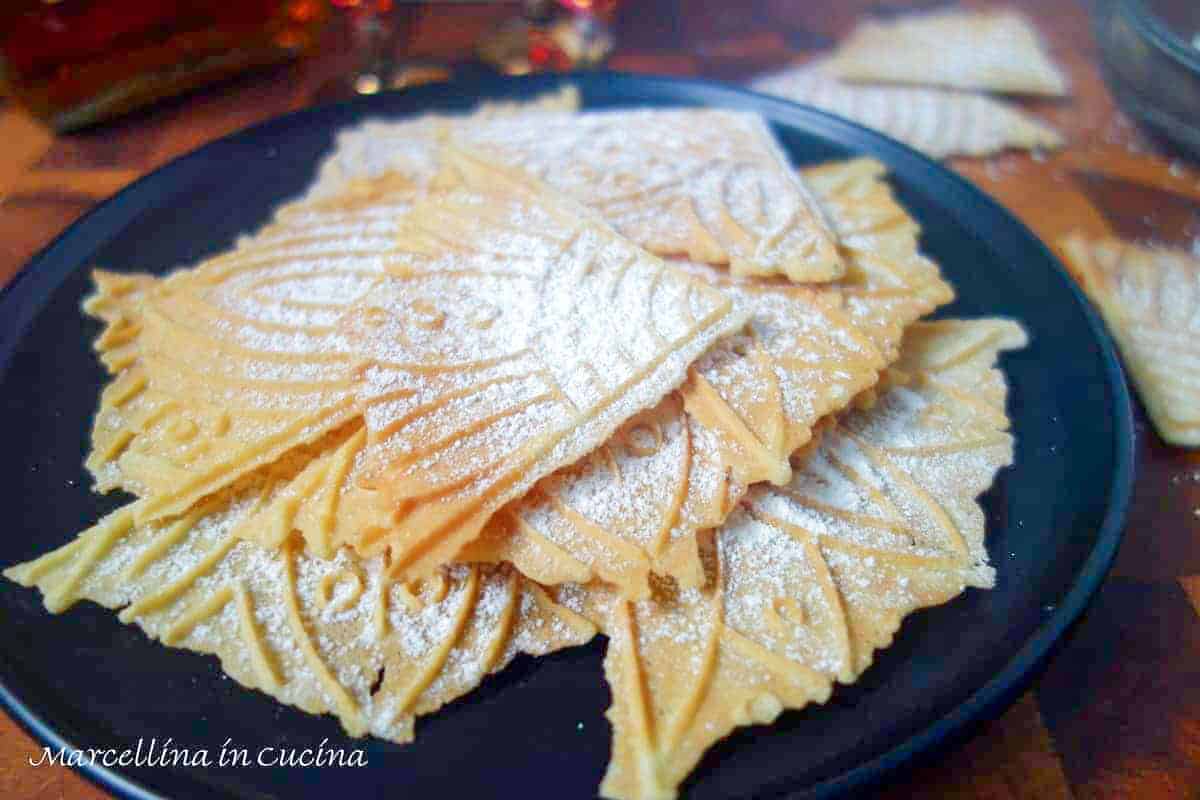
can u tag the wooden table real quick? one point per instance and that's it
(1117, 713)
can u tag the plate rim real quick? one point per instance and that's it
(993, 696)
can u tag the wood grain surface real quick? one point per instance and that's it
(1117, 712)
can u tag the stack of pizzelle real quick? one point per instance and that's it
(450, 407)
(931, 80)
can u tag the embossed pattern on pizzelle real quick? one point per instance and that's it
(707, 184)
(991, 51)
(635, 506)
(179, 422)
(1150, 298)
(583, 330)
(574, 375)
(938, 122)
(328, 636)
(810, 579)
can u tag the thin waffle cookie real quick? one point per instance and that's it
(583, 330)
(938, 122)
(989, 51)
(411, 146)
(174, 429)
(1150, 298)
(710, 185)
(667, 474)
(879, 521)
(635, 505)
(686, 182)
(222, 369)
(334, 636)
(888, 283)
(804, 585)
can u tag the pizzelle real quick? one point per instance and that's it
(512, 334)
(995, 51)
(805, 583)
(326, 635)
(811, 578)
(320, 298)
(937, 121)
(266, 309)
(378, 148)
(438, 412)
(1149, 297)
(692, 182)
(635, 506)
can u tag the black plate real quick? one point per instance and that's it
(1053, 520)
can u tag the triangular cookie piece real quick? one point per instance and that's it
(514, 333)
(938, 122)
(686, 182)
(635, 505)
(996, 51)
(888, 284)
(328, 636)
(408, 148)
(223, 368)
(320, 276)
(1150, 298)
(710, 185)
(258, 319)
(880, 520)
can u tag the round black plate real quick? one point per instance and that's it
(1053, 519)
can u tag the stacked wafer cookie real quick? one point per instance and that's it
(498, 383)
(935, 81)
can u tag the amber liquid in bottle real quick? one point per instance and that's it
(75, 62)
